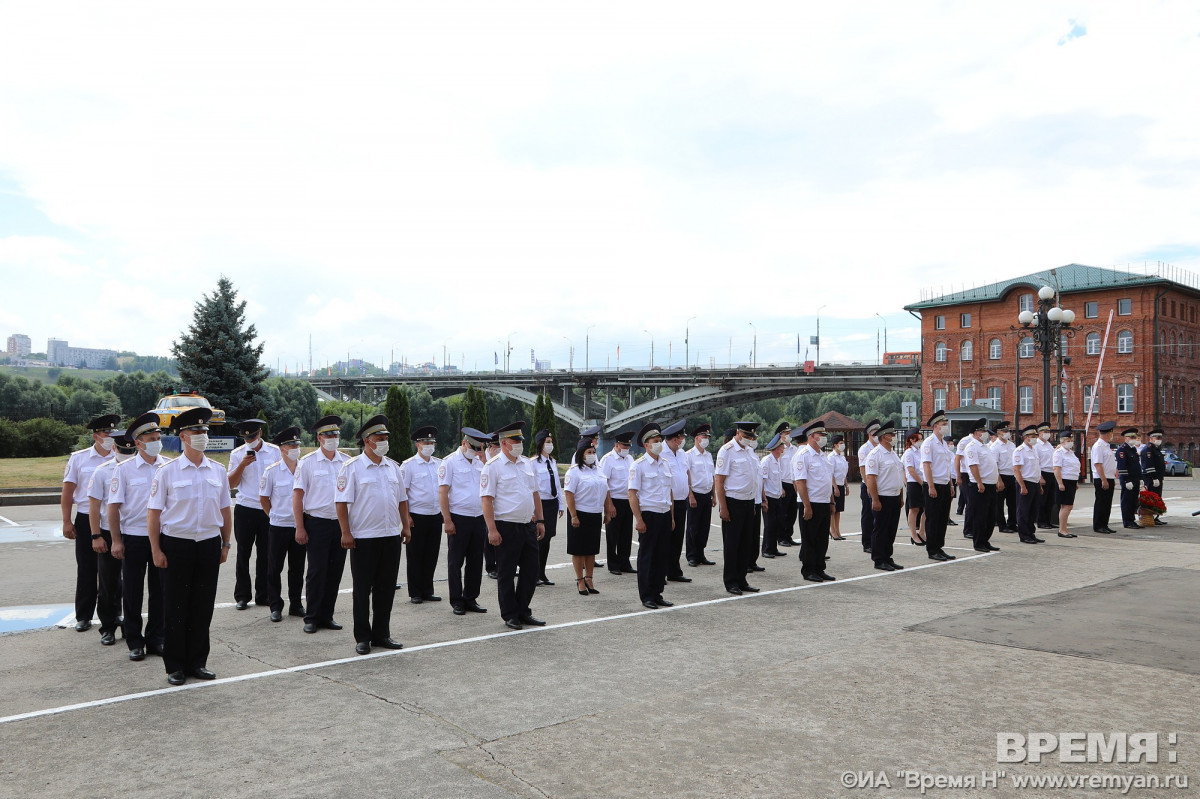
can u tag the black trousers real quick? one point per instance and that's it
(739, 540)
(1027, 505)
(489, 555)
(1129, 501)
(326, 562)
(1102, 504)
(138, 572)
(550, 517)
(887, 521)
(699, 521)
(962, 497)
(517, 565)
(787, 522)
(108, 600)
(814, 537)
(250, 531)
(464, 556)
(654, 554)
(423, 548)
(751, 552)
(374, 565)
(1046, 502)
(281, 544)
(1006, 503)
(937, 511)
(772, 515)
(618, 533)
(982, 508)
(680, 511)
(866, 518)
(190, 589)
(87, 585)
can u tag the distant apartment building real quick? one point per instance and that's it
(19, 345)
(60, 353)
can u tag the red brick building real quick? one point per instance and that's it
(1151, 368)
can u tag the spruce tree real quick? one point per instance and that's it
(543, 419)
(218, 357)
(475, 410)
(396, 409)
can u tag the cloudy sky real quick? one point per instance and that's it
(399, 178)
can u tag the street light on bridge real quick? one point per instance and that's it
(687, 334)
(651, 335)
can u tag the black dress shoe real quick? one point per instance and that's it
(884, 566)
(137, 653)
(1031, 540)
(475, 607)
(1045, 526)
(154, 649)
(827, 577)
(513, 624)
(241, 604)
(649, 604)
(786, 542)
(1106, 530)
(707, 562)
(938, 556)
(734, 590)
(1067, 535)
(768, 555)
(993, 548)
(310, 627)
(947, 555)
(543, 581)
(616, 572)
(693, 563)
(459, 610)
(1159, 523)
(1037, 540)
(662, 603)
(296, 610)
(983, 549)
(1133, 527)
(329, 625)
(436, 598)
(628, 569)
(108, 638)
(277, 615)
(968, 535)
(952, 523)
(83, 626)
(812, 577)
(363, 647)
(416, 600)
(679, 579)
(532, 621)
(494, 575)
(896, 566)
(387, 643)
(754, 567)
(748, 589)
(202, 674)
(176, 678)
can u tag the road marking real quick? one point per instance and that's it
(33, 714)
(11, 523)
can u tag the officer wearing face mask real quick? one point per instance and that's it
(314, 485)
(1129, 475)
(108, 606)
(701, 500)
(462, 518)
(787, 524)
(78, 527)
(650, 498)
(1006, 500)
(673, 454)
(1027, 473)
(983, 484)
(275, 493)
(129, 494)
(489, 551)
(937, 464)
(1049, 498)
(251, 526)
(1154, 465)
(545, 469)
(420, 473)
(866, 518)
(813, 475)
(619, 529)
(737, 482)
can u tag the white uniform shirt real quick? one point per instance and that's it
(190, 497)
(1027, 458)
(316, 476)
(100, 487)
(864, 451)
(935, 452)
(615, 469)
(785, 464)
(511, 485)
(652, 480)
(679, 468)
(588, 487)
(79, 470)
(1103, 454)
(700, 470)
(816, 471)
(1045, 453)
(772, 476)
(546, 478)
(841, 466)
(960, 449)
(888, 470)
(420, 479)
(247, 487)
(372, 493)
(912, 460)
(978, 454)
(462, 476)
(130, 488)
(739, 466)
(1068, 461)
(1003, 451)
(276, 483)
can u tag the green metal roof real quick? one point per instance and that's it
(1072, 277)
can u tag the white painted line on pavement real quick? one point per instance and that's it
(11, 523)
(461, 641)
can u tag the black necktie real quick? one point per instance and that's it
(553, 483)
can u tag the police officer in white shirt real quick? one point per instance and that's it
(813, 475)
(673, 453)
(250, 523)
(983, 476)
(373, 514)
(512, 509)
(108, 566)
(275, 493)
(1104, 476)
(1028, 474)
(1049, 497)
(884, 476)
(701, 499)
(75, 524)
(773, 500)
(937, 466)
(190, 524)
(651, 498)
(421, 483)
(787, 524)
(737, 483)
(489, 551)
(314, 486)
(462, 518)
(618, 531)
(866, 520)
(1006, 500)
(1066, 474)
(545, 469)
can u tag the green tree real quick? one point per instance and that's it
(396, 409)
(543, 419)
(217, 354)
(475, 412)
(291, 402)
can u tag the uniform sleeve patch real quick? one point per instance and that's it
(483, 480)
(154, 487)
(441, 471)
(112, 486)
(341, 482)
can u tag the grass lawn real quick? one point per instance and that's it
(42, 373)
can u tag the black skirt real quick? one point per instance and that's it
(1067, 495)
(914, 499)
(839, 502)
(584, 539)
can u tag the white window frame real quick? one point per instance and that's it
(1092, 339)
(1026, 348)
(1124, 342)
(995, 349)
(940, 351)
(939, 399)
(1026, 401)
(1124, 397)
(967, 351)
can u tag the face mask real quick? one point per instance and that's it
(107, 443)
(841, 447)
(330, 444)
(293, 454)
(198, 442)
(940, 430)
(589, 458)
(547, 448)
(702, 443)
(470, 454)
(517, 449)
(426, 449)
(124, 456)
(1044, 436)
(983, 439)
(1068, 445)
(822, 441)
(1156, 441)
(620, 451)
(749, 442)
(787, 439)
(381, 448)
(1005, 436)
(153, 448)
(253, 441)
(656, 447)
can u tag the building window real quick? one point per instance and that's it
(939, 352)
(1172, 309)
(1093, 343)
(964, 320)
(968, 350)
(1193, 400)
(1055, 393)
(1171, 344)
(1025, 349)
(1025, 302)
(966, 396)
(1125, 342)
(1124, 397)
(1091, 400)
(994, 349)
(1091, 310)
(1026, 405)
(939, 323)
(939, 399)
(1124, 307)
(994, 397)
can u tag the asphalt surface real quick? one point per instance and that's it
(777, 694)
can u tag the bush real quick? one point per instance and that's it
(38, 438)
